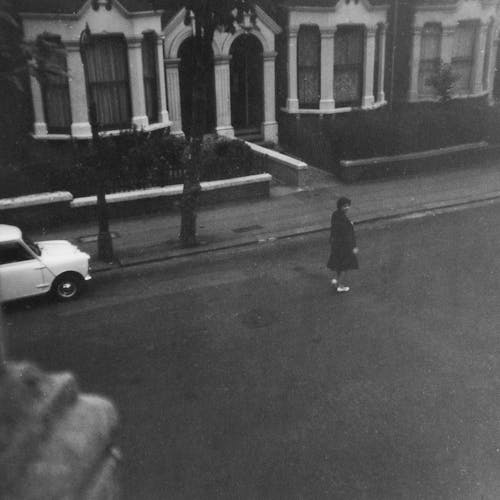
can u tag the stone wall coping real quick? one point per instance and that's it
(35, 199)
(174, 190)
(138, 194)
(236, 181)
(415, 156)
(280, 157)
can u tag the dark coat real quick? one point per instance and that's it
(342, 242)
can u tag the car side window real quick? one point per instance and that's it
(13, 252)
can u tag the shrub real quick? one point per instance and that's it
(225, 158)
(131, 160)
(384, 132)
(443, 81)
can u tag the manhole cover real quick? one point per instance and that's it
(247, 228)
(93, 237)
(258, 318)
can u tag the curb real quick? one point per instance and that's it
(425, 210)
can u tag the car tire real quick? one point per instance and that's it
(67, 287)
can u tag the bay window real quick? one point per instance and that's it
(463, 55)
(348, 65)
(487, 54)
(55, 90)
(309, 66)
(149, 64)
(430, 57)
(108, 80)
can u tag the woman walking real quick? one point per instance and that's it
(343, 244)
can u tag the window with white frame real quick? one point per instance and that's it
(309, 66)
(108, 80)
(149, 65)
(463, 55)
(430, 57)
(348, 65)
(55, 90)
(487, 54)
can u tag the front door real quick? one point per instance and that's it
(246, 83)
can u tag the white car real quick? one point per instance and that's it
(28, 268)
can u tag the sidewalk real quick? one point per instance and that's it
(288, 212)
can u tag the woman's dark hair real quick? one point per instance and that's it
(342, 202)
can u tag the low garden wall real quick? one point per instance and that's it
(45, 209)
(282, 167)
(352, 170)
(55, 209)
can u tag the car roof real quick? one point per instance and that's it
(9, 233)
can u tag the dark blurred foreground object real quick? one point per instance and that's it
(55, 443)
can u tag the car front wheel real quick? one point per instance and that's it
(67, 286)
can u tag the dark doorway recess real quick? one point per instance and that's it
(186, 71)
(246, 83)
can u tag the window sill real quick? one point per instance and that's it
(333, 111)
(52, 137)
(429, 98)
(104, 133)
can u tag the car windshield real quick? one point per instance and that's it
(34, 247)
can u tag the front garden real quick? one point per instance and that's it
(326, 140)
(131, 161)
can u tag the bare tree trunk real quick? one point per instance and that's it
(191, 190)
(190, 195)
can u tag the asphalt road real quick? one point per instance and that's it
(242, 375)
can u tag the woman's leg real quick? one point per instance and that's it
(340, 286)
(336, 279)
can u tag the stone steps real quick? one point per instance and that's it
(250, 135)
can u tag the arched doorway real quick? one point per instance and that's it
(246, 83)
(186, 71)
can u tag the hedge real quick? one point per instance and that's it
(324, 141)
(132, 160)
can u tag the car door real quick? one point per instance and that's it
(21, 274)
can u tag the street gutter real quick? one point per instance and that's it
(430, 209)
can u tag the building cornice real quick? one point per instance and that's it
(86, 7)
(447, 6)
(333, 8)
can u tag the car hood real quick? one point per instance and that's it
(57, 247)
